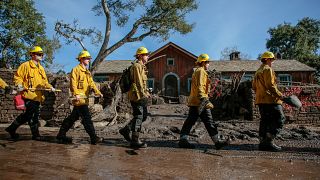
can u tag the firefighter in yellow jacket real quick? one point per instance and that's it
(138, 96)
(30, 74)
(81, 83)
(269, 100)
(200, 106)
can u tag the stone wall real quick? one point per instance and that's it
(241, 105)
(309, 113)
(53, 110)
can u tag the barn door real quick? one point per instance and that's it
(171, 86)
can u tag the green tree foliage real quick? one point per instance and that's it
(157, 18)
(21, 27)
(300, 42)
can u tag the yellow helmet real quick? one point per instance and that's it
(267, 55)
(142, 50)
(203, 58)
(36, 49)
(83, 54)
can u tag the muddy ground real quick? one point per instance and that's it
(114, 159)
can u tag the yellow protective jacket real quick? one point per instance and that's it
(139, 89)
(30, 75)
(81, 83)
(200, 86)
(265, 86)
(3, 84)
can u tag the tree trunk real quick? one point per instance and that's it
(110, 112)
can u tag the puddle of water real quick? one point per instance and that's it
(42, 160)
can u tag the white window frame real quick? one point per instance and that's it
(226, 77)
(100, 78)
(151, 79)
(247, 77)
(287, 76)
(189, 84)
(170, 59)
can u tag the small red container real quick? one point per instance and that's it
(19, 102)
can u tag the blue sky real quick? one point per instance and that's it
(219, 24)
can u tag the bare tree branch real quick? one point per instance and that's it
(58, 29)
(107, 33)
(124, 40)
(158, 19)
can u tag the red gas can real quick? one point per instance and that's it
(19, 102)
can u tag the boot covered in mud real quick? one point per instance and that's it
(125, 132)
(62, 137)
(135, 142)
(220, 141)
(95, 140)
(184, 143)
(267, 144)
(35, 133)
(12, 130)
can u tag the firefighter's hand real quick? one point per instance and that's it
(20, 88)
(78, 97)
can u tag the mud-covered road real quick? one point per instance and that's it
(114, 159)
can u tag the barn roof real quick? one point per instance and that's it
(253, 65)
(113, 66)
(117, 66)
(175, 46)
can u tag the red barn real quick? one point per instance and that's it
(170, 70)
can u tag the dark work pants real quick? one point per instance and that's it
(31, 115)
(206, 118)
(84, 113)
(272, 119)
(140, 113)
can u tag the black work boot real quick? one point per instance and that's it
(62, 138)
(220, 141)
(125, 132)
(96, 140)
(35, 133)
(267, 144)
(12, 131)
(136, 143)
(184, 143)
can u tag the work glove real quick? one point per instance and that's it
(53, 89)
(205, 104)
(20, 88)
(209, 105)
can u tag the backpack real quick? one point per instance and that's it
(125, 80)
